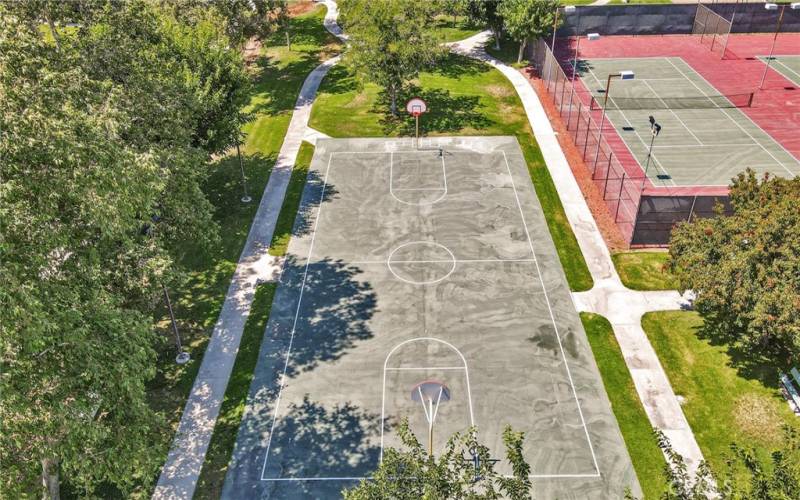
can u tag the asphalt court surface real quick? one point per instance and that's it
(410, 264)
(696, 147)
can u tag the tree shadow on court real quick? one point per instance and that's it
(315, 193)
(313, 439)
(448, 112)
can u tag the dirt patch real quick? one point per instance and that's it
(499, 90)
(604, 219)
(757, 418)
(299, 7)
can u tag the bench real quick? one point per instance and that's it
(787, 383)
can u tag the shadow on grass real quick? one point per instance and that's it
(447, 112)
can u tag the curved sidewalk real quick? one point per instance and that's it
(609, 297)
(181, 470)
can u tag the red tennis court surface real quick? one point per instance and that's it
(706, 139)
(775, 108)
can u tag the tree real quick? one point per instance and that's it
(745, 268)
(390, 42)
(486, 13)
(453, 8)
(411, 473)
(526, 19)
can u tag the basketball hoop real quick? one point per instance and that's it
(415, 107)
(430, 394)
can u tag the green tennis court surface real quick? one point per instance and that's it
(788, 66)
(410, 265)
(706, 142)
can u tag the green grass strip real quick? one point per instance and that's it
(291, 202)
(648, 461)
(212, 476)
(645, 270)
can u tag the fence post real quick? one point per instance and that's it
(586, 141)
(569, 108)
(605, 185)
(619, 198)
(563, 89)
(691, 210)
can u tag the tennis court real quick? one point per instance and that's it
(423, 264)
(705, 139)
(787, 66)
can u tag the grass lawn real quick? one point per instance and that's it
(645, 270)
(283, 228)
(465, 97)
(730, 396)
(278, 76)
(220, 449)
(449, 30)
(648, 461)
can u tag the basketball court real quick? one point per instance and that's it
(422, 284)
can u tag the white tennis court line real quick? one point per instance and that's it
(776, 60)
(360, 478)
(552, 316)
(673, 113)
(743, 115)
(656, 162)
(294, 329)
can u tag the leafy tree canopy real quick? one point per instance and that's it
(524, 19)
(745, 268)
(390, 42)
(486, 13)
(411, 473)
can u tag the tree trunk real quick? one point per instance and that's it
(521, 50)
(454, 20)
(50, 479)
(53, 31)
(393, 93)
(288, 40)
(497, 39)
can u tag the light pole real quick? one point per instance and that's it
(246, 198)
(655, 128)
(591, 37)
(183, 357)
(774, 6)
(567, 9)
(622, 75)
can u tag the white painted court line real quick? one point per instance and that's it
(552, 316)
(429, 282)
(673, 113)
(385, 365)
(424, 368)
(360, 478)
(417, 203)
(294, 324)
(743, 115)
(656, 162)
(438, 261)
(777, 60)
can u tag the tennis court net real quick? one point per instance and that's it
(687, 102)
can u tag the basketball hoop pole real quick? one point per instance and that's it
(416, 119)
(430, 430)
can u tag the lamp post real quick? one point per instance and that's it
(622, 75)
(567, 9)
(655, 128)
(591, 37)
(774, 6)
(183, 357)
(246, 198)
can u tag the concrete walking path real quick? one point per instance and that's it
(186, 456)
(609, 297)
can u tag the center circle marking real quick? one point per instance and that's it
(451, 260)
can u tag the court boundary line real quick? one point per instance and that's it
(734, 121)
(552, 316)
(294, 324)
(360, 478)
(547, 301)
(776, 60)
